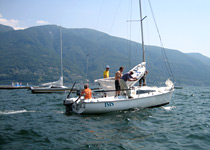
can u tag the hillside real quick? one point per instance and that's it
(4, 28)
(200, 57)
(33, 56)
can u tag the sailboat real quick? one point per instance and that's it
(143, 96)
(56, 86)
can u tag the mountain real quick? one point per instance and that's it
(33, 56)
(200, 57)
(4, 28)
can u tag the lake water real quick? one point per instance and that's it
(38, 121)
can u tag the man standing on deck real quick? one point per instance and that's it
(126, 77)
(143, 79)
(118, 75)
(106, 72)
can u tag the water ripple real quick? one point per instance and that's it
(38, 121)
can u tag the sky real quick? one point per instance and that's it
(183, 25)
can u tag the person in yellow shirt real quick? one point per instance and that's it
(87, 92)
(106, 72)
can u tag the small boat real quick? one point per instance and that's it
(56, 86)
(10, 87)
(51, 87)
(14, 86)
(105, 101)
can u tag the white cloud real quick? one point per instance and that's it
(12, 23)
(15, 23)
(42, 22)
(19, 28)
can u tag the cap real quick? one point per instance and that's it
(107, 66)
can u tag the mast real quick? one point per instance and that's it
(61, 48)
(142, 34)
(87, 68)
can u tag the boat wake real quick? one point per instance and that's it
(59, 112)
(169, 107)
(8, 112)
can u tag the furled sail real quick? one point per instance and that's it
(58, 83)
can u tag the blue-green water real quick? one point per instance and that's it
(37, 121)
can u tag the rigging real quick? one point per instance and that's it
(162, 47)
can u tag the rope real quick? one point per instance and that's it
(130, 36)
(168, 68)
(99, 14)
(115, 16)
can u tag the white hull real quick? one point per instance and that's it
(157, 97)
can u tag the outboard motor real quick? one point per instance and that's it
(68, 104)
(78, 92)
